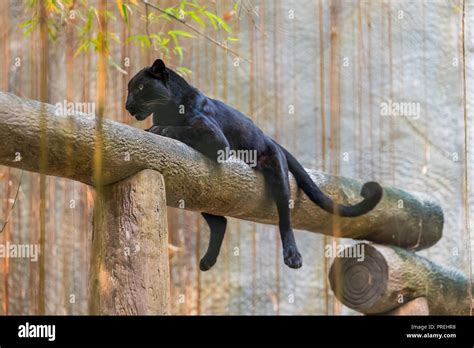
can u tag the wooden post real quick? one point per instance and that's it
(129, 265)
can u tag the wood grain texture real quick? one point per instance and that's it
(418, 306)
(409, 220)
(389, 277)
(129, 258)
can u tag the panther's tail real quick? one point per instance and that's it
(371, 191)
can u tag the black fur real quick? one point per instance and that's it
(182, 112)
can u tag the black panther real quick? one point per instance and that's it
(182, 112)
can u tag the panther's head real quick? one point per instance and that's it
(148, 90)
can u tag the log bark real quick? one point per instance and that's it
(409, 220)
(129, 258)
(389, 277)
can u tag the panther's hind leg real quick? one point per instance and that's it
(217, 225)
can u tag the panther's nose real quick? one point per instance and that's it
(128, 104)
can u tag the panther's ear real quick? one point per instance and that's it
(159, 70)
(158, 67)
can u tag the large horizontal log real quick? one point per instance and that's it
(195, 183)
(387, 277)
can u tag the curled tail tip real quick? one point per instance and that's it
(372, 190)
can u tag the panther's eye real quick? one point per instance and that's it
(140, 86)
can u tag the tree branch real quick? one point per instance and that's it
(410, 220)
(196, 30)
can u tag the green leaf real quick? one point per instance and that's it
(165, 41)
(180, 33)
(164, 16)
(210, 16)
(95, 43)
(52, 33)
(114, 37)
(223, 24)
(232, 38)
(125, 13)
(196, 18)
(29, 25)
(184, 71)
(52, 30)
(155, 37)
(83, 47)
(153, 18)
(26, 23)
(88, 23)
(173, 36)
(144, 40)
(123, 10)
(110, 15)
(169, 11)
(218, 19)
(178, 50)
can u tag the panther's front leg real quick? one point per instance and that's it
(166, 131)
(204, 136)
(201, 134)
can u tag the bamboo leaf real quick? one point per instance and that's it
(173, 36)
(184, 71)
(210, 16)
(29, 25)
(123, 9)
(197, 19)
(179, 51)
(125, 13)
(180, 33)
(26, 23)
(144, 40)
(217, 19)
(83, 47)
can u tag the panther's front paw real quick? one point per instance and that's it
(154, 129)
(167, 132)
(292, 257)
(206, 263)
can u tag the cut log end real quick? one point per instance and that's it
(358, 284)
(376, 279)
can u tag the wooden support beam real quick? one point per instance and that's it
(129, 258)
(384, 278)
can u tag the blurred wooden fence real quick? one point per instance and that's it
(320, 73)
